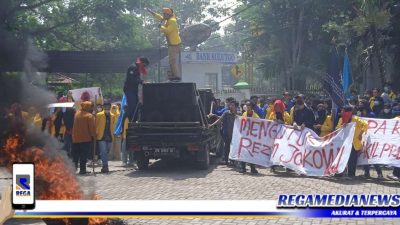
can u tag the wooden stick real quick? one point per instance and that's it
(94, 141)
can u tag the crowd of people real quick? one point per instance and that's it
(91, 128)
(311, 112)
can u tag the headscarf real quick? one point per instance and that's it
(347, 114)
(281, 106)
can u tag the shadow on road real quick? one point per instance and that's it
(175, 169)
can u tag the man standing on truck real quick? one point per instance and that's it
(228, 120)
(169, 26)
(131, 85)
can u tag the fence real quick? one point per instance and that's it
(268, 92)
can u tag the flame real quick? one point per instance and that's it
(55, 180)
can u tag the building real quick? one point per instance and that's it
(203, 68)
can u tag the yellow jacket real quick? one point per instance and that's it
(101, 125)
(286, 117)
(361, 127)
(170, 29)
(269, 111)
(253, 116)
(327, 126)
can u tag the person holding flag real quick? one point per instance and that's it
(169, 27)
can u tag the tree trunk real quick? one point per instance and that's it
(378, 54)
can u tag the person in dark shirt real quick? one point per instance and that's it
(131, 85)
(228, 120)
(226, 108)
(302, 115)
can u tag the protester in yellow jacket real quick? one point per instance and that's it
(169, 27)
(105, 124)
(278, 114)
(361, 128)
(249, 113)
(249, 110)
(323, 124)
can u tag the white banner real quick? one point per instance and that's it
(94, 93)
(267, 143)
(381, 144)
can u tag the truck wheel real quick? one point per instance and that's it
(143, 163)
(204, 158)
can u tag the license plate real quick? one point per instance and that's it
(164, 150)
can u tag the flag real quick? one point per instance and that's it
(346, 76)
(332, 84)
(120, 122)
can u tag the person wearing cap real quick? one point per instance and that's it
(361, 128)
(301, 115)
(132, 81)
(169, 27)
(83, 135)
(323, 123)
(105, 123)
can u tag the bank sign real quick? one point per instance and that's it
(209, 57)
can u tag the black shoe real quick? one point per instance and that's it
(104, 170)
(82, 172)
(243, 170)
(367, 176)
(254, 171)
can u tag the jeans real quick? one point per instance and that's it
(377, 168)
(227, 148)
(80, 153)
(104, 148)
(68, 143)
(127, 157)
(243, 166)
(132, 99)
(352, 163)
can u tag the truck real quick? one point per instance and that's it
(171, 122)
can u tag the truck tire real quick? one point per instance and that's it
(143, 163)
(203, 158)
